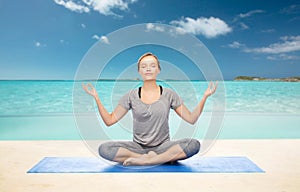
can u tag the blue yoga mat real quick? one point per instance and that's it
(195, 164)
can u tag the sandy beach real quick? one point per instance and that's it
(280, 159)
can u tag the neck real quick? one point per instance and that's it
(150, 85)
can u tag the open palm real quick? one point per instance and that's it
(211, 89)
(90, 90)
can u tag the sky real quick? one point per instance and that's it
(48, 39)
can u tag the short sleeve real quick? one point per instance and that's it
(125, 101)
(176, 101)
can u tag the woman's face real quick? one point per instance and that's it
(149, 68)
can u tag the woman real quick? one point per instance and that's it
(150, 105)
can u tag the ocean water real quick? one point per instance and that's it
(44, 109)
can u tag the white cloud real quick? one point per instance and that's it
(63, 42)
(96, 37)
(104, 7)
(244, 26)
(275, 51)
(288, 44)
(282, 56)
(208, 27)
(292, 9)
(39, 44)
(103, 39)
(83, 25)
(153, 27)
(268, 31)
(250, 13)
(72, 6)
(235, 45)
(241, 16)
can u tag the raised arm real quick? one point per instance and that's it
(108, 118)
(192, 117)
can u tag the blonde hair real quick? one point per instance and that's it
(145, 55)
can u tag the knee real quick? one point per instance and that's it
(107, 151)
(195, 145)
(192, 147)
(103, 150)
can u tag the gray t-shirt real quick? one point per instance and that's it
(150, 121)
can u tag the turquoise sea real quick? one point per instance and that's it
(43, 110)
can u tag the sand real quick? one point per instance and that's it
(280, 159)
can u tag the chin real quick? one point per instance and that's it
(149, 79)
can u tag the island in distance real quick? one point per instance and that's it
(249, 78)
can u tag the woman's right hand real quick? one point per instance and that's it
(211, 89)
(90, 90)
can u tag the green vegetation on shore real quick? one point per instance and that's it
(249, 78)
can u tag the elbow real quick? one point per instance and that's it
(109, 123)
(193, 121)
(190, 119)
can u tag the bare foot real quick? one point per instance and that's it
(142, 160)
(151, 154)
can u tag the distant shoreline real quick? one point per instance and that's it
(285, 79)
(238, 78)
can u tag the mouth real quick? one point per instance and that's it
(148, 74)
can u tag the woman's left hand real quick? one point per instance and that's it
(90, 90)
(211, 89)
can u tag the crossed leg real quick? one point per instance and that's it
(130, 153)
(151, 158)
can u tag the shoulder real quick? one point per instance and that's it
(127, 99)
(173, 98)
(169, 91)
(131, 94)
